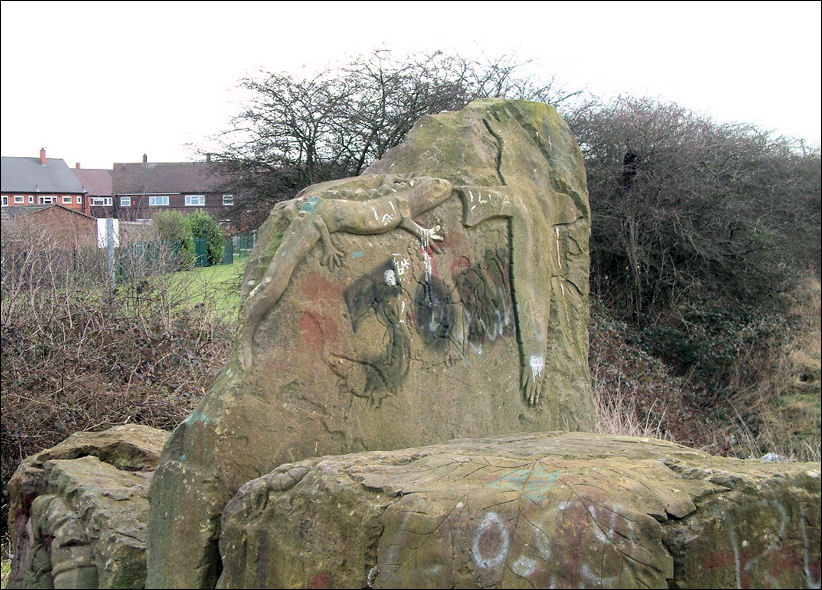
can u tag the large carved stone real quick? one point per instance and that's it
(442, 294)
(550, 510)
(79, 510)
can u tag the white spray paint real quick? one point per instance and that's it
(537, 365)
(429, 268)
(491, 521)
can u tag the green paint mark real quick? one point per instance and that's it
(311, 204)
(357, 254)
(533, 484)
(198, 416)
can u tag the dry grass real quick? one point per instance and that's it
(780, 411)
(73, 360)
(619, 413)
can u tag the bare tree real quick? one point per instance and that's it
(298, 131)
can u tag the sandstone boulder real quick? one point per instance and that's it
(79, 510)
(554, 510)
(442, 294)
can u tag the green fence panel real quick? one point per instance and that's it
(201, 252)
(228, 253)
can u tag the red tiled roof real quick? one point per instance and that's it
(97, 181)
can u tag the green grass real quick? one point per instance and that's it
(219, 284)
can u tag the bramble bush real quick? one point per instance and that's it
(73, 359)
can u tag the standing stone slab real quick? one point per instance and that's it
(442, 294)
(543, 510)
(79, 510)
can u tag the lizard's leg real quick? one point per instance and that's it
(332, 257)
(299, 239)
(407, 223)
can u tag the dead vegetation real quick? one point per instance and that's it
(74, 359)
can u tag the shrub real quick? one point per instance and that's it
(171, 227)
(202, 225)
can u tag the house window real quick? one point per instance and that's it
(101, 201)
(48, 200)
(5, 200)
(125, 201)
(66, 199)
(19, 199)
(31, 199)
(195, 200)
(228, 200)
(160, 201)
(79, 200)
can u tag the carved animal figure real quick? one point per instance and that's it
(391, 202)
(394, 203)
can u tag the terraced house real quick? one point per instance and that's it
(140, 190)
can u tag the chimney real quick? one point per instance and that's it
(77, 165)
(42, 156)
(145, 158)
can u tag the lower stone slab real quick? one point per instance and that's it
(554, 510)
(79, 510)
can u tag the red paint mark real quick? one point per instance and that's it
(460, 264)
(787, 558)
(430, 251)
(718, 559)
(315, 329)
(316, 287)
(321, 580)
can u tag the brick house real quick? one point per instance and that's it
(97, 183)
(140, 190)
(41, 181)
(67, 228)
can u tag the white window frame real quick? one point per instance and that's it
(158, 201)
(79, 200)
(31, 199)
(101, 201)
(19, 200)
(228, 200)
(48, 200)
(125, 201)
(66, 200)
(200, 200)
(5, 201)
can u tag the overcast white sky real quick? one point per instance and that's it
(105, 82)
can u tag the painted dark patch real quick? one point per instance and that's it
(485, 293)
(371, 293)
(433, 312)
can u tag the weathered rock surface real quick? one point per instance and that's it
(442, 294)
(79, 510)
(548, 510)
